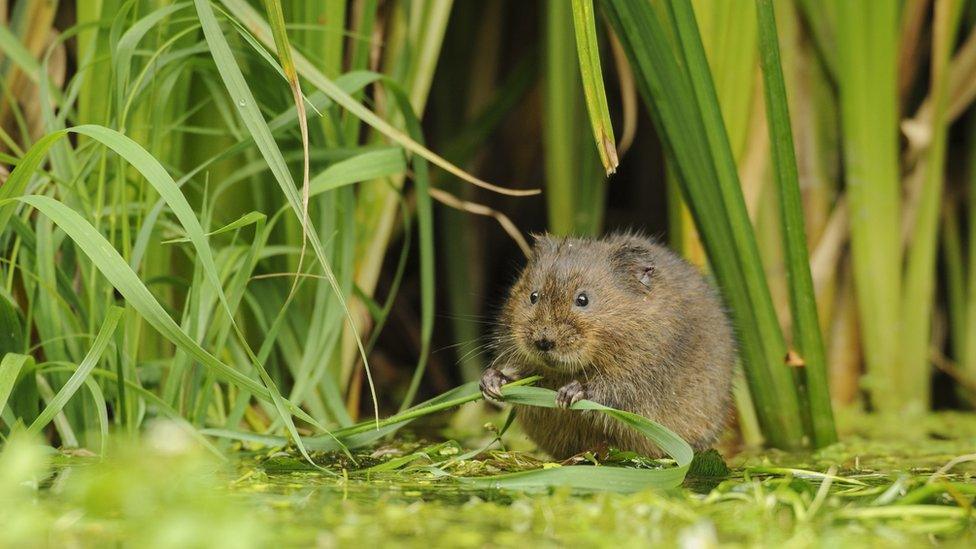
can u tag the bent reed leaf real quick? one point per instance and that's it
(577, 477)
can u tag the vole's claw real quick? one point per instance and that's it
(570, 394)
(491, 384)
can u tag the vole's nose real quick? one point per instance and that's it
(544, 344)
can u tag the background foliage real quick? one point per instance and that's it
(247, 228)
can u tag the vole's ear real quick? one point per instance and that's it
(634, 260)
(542, 243)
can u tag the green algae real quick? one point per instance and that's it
(871, 489)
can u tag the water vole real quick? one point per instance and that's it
(621, 321)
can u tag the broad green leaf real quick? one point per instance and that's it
(579, 477)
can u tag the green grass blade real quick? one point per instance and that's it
(125, 47)
(968, 351)
(14, 50)
(588, 50)
(163, 408)
(170, 192)
(81, 374)
(803, 305)
(16, 183)
(362, 167)
(955, 282)
(10, 368)
(11, 326)
(101, 411)
(747, 252)
(249, 218)
(283, 47)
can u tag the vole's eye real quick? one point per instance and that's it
(582, 300)
(534, 297)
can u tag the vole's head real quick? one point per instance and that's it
(578, 301)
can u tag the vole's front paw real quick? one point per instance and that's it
(491, 383)
(570, 394)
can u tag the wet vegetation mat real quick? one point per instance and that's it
(883, 486)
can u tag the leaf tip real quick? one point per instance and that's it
(610, 154)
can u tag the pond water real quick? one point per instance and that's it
(880, 487)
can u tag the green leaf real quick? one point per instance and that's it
(157, 176)
(81, 374)
(803, 305)
(578, 477)
(10, 368)
(243, 221)
(362, 167)
(588, 50)
(11, 327)
(16, 184)
(919, 290)
(601, 478)
(15, 51)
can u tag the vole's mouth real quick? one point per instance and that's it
(557, 361)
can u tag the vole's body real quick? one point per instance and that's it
(624, 322)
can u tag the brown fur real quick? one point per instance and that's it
(663, 348)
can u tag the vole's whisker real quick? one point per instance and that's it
(475, 352)
(472, 320)
(458, 344)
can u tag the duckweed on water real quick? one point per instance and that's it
(166, 492)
